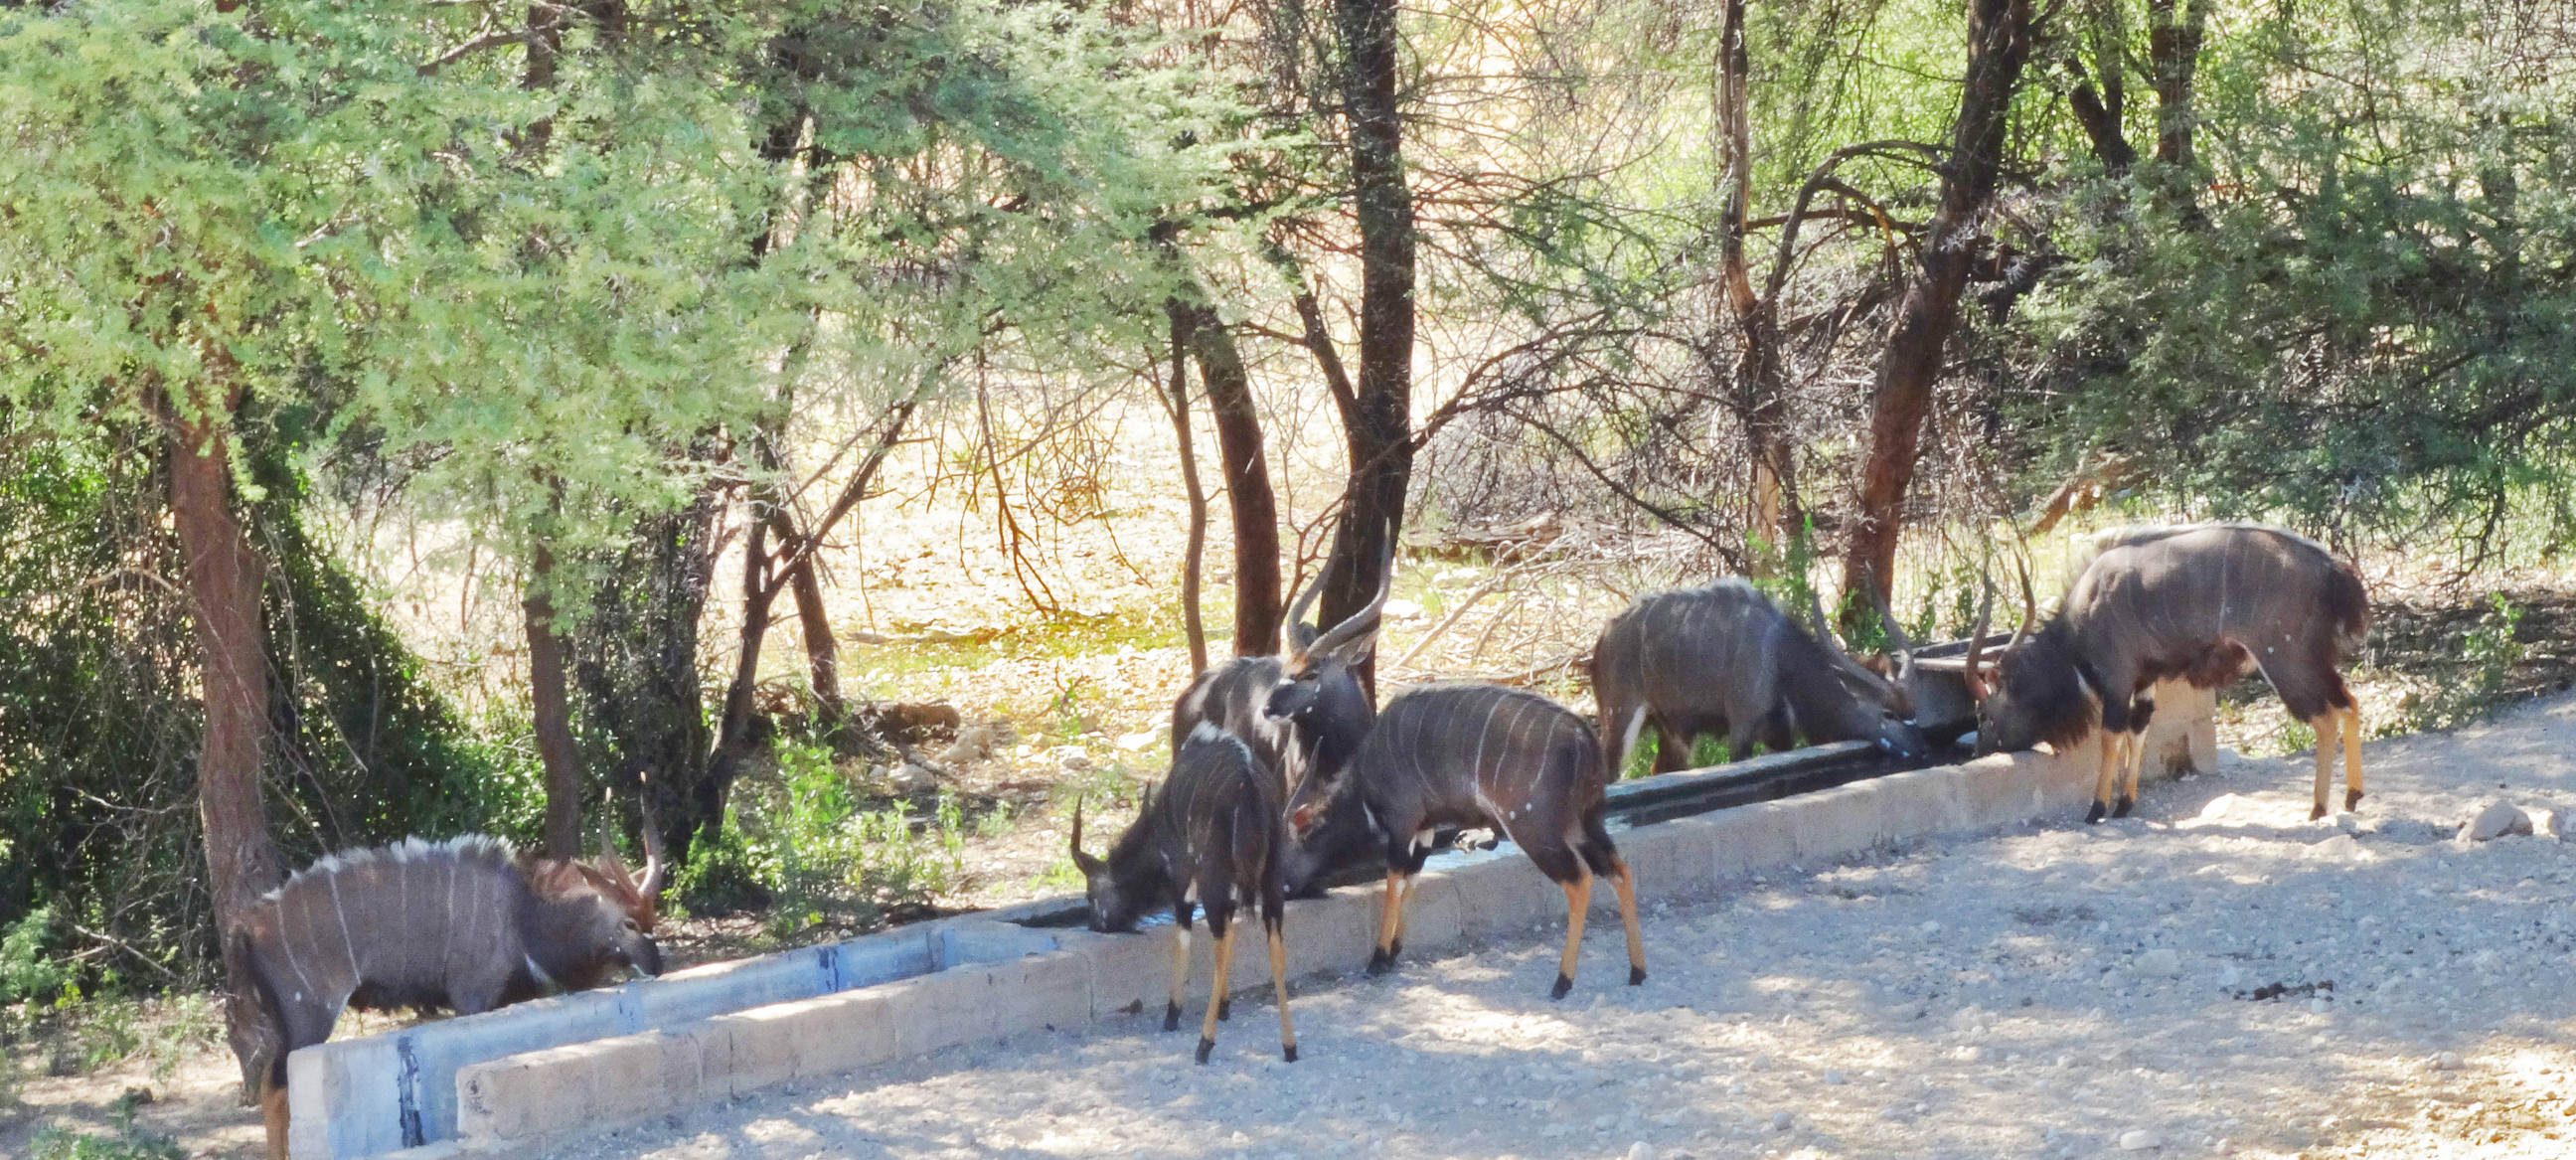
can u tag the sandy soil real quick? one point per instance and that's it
(2062, 991)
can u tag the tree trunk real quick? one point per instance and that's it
(2173, 52)
(1254, 508)
(822, 653)
(1377, 422)
(1998, 43)
(735, 738)
(223, 578)
(1176, 403)
(1761, 377)
(2173, 59)
(551, 708)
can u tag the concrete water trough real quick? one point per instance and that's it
(506, 1082)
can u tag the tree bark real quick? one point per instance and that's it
(1998, 44)
(1761, 377)
(1245, 470)
(224, 580)
(1176, 403)
(550, 706)
(1377, 421)
(2173, 51)
(822, 652)
(223, 576)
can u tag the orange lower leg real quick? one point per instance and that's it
(272, 1112)
(1578, 901)
(1390, 924)
(1216, 991)
(1621, 881)
(2351, 757)
(1279, 984)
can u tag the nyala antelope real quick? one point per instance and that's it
(1209, 836)
(1721, 658)
(1231, 696)
(1478, 755)
(2199, 603)
(467, 924)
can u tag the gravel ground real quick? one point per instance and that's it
(2061, 991)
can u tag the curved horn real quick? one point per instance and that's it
(1896, 640)
(1900, 683)
(1833, 646)
(657, 869)
(1305, 598)
(1976, 676)
(1363, 623)
(1081, 861)
(2029, 605)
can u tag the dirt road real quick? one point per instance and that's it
(2065, 991)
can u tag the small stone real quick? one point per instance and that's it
(2140, 1140)
(1833, 1078)
(912, 779)
(2317, 1007)
(1402, 609)
(1780, 1121)
(1138, 742)
(1641, 1150)
(2161, 963)
(2448, 1061)
(2229, 976)
(1930, 927)
(2497, 820)
(2221, 806)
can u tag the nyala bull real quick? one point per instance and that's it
(1231, 697)
(2199, 603)
(467, 924)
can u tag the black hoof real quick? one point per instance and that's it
(2316, 812)
(1636, 975)
(2095, 815)
(1172, 1017)
(1564, 983)
(1393, 949)
(2126, 804)
(2352, 799)
(1380, 962)
(1224, 1010)
(1290, 1052)
(1206, 1046)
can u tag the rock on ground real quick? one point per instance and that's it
(2416, 1003)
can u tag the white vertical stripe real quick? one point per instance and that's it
(348, 946)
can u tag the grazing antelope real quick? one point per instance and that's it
(468, 924)
(1477, 755)
(2198, 603)
(1230, 697)
(1721, 658)
(1210, 835)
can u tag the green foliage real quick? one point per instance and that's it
(2490, 653)
(2350, 316)
(805, 844)
(25, 971)
(126, 1140)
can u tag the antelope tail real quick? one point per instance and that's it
(1617, 757)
